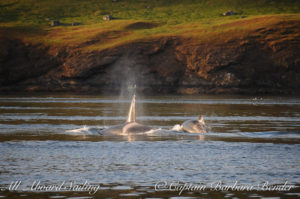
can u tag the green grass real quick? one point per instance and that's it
(200, 19)
(28, 12)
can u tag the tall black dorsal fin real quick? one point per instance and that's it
(131, 113)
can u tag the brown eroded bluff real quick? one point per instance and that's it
(168, 64)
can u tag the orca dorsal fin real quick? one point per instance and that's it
(200, 118)
(131, 113)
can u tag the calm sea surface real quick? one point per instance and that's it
(53, 140)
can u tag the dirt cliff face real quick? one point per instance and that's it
(256, 63)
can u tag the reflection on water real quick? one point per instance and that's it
(56, 138)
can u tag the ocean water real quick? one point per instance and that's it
(53, 140)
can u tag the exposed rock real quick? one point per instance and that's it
(54, 23)
(228, 13)
(20, 62)
(75, 24)
(246, 65)
(107, 17)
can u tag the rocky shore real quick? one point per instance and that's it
(254, 64)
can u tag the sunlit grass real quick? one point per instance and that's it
(197, 19)
(115, 33)
(176, 11)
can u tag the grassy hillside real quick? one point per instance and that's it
(168, 11)
(181, 46)
(137, 19)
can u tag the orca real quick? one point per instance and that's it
(194, 126)
(130, 126)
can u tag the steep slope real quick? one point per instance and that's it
(255, 55)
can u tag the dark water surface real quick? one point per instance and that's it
(53, 140)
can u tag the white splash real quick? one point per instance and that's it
(177, 127)
(84, 129)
